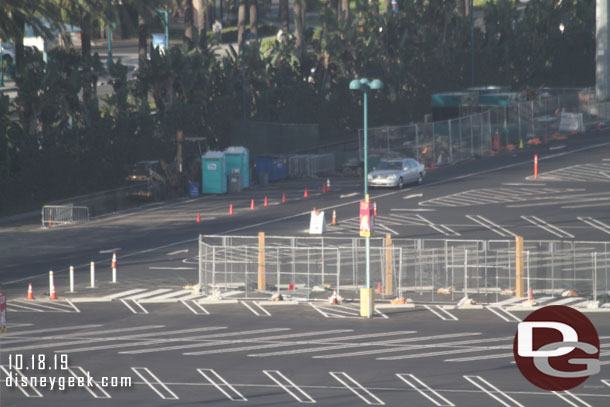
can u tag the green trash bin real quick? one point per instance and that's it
(238, 160)
(213, 173)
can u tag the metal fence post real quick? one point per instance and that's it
(308, 280)
(433, 143)
(323, 261)
(527, 262)
(417, 143)
(246, 262)
(452, 274)
(71, 279)
(224, 247)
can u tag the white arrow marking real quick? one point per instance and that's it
(413, 196)
(348, 195)
(177, 252)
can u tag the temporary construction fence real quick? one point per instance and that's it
(63, 214)
(255, 265)
(441, 142)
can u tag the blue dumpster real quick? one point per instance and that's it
(193, 189)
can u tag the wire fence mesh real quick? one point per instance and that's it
(440, 269)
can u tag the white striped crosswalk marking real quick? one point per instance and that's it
(285, 383)
(262, 309)
(231, 393)
(41, 306)
(425, 390)
(565, 301)
(606, 382)
(170, 295)
(441, 313)
(476, 348)
(194, 307)
(493, 391)
(597, 224)
(490, 196)
(581, 172)
(29, 391)
(497, 229)
(136, 304)
(571, 399)
(124, 293)
(483, 357)
(536, 221)
(356, 388)
(155, 383)
(503, 314)
(97, 391)
(148, 294)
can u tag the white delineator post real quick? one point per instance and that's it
(92, 275)
(50, 282)
(71, 279)
(114, 267)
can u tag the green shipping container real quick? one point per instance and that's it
(213, 173)
(238, 160)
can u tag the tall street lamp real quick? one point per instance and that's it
(366, 294)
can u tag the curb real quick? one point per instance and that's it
(394, 306)
(211, 302)
(89, 299)
(284, 302)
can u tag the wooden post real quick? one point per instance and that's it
(262, 283)
(389, 269)
(519, 288)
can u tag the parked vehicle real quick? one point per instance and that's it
(397, 173)
(8, 52)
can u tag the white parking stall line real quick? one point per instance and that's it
(156, 385)
(20, 307)
(45, 330)
(575, 400)
(606, 382)
(412, 196)
(381, 313)
(233, 396)
(348, 195)
(493, 391)
(368, 397)
(250, 308)
(170, 295)
(129, 306)
(439, 228)
(148, 294)
(435, 313)
(605, 174)
(285, 383)
(42, 306)
(22, 379)
(73, 306)
(103, 394)
(462, 349)
(490, 225)
(447, 312)
(325, 315)
(262, 309)
(124, 293)
(497, 313)
(427, 392)
(547, 226)
(505, 312)
(197, 305)
(597, 224)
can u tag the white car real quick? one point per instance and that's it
(397, 173)
(8, 51)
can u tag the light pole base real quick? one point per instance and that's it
(367, 305)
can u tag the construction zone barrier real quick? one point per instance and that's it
(327, 184)
(334, 299)
(114, 267)
(530, 298)
(30, 295)
(92, 274)
(52, 294)
(447, 290)
(198, 217)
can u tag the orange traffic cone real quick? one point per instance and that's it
(283, 197)
(333, 298)
(113, 264)
(231, 209)
(198, 217)
(290, 287)
(266, 203)
(374, 208)
(252, 204)
(305, 195)
(53, 295)
(30, 292)
(324, 188)
(334, 222)
(379, 288)
(327, 184)
(599, 126)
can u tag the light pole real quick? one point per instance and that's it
(366, 294)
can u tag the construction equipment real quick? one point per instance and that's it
(146, 181)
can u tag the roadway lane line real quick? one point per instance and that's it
(597, 224)
(577, 401)
(250, 308)
(435, 313)
(536, 221)
(348, 195)
(447, 312)
(103, 394)
(169, 395)
(233, 396)
(427, 392)
(262, 309)
(18, 382)
(490, 225)
(124, 293)
(493, 391)
(40, 331)
(285, 383)
(456, 344)
(368, 397)
(177, 252)
(439, 228)
(413, 196)
(195, 304)
(483, 357)
(239, 229)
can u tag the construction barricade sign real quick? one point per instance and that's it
(2, 312)
(317, 226)
(367, 224)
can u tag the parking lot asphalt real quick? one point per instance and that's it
(179, 350)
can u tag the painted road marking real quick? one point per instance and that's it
(499, 312)
(40, 306)
(255, 312)
(148, 294)
(447, 231)
(156, 385)
(73, 306)
(483, 357)
(490, 225)
(413, 196)
(576, 401)
(348, 195)
(137, 304)
(440, 314)
(368, 397)
(196, 305)
(534, 220)
(262, 309)
(124, 293)
(170, 295)
(493, 391)
(40, 331)
(23, 379)
(606, 382)
(580, 172)
(509, 301)
(487, 196)
(565, 301)
(103, 394)
(232, 394)
(178, 252)
(286, 384)
(597, 224)
(414, 210)
(12, 304)
(320, 311)
(427, 392)
(462, 349)
(446, 312)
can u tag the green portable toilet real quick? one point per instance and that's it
(238, 160)
(213, 173)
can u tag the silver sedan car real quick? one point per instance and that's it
(397, 173)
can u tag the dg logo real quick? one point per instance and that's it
(557, 348)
